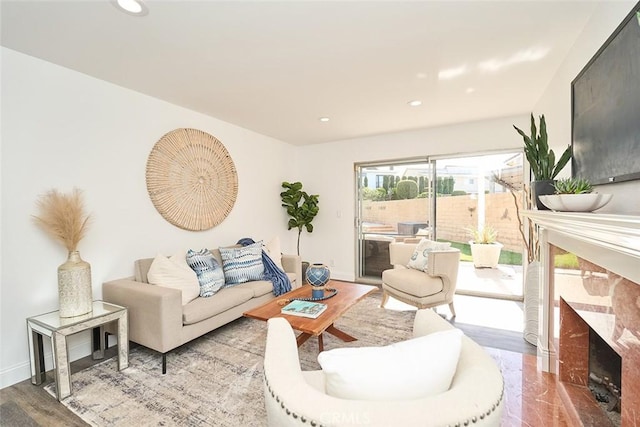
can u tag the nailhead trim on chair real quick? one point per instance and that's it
(303, 419)
(313, 423)
(474, 419)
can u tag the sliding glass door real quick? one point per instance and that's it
(393, 204)
(444, 199)
(479, 193)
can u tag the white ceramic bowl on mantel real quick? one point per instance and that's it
(576, 202)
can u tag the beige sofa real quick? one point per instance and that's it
(297, 398)
(159, 321)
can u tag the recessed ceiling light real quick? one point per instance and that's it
(415, 103)
(131, 7)
(324, 119)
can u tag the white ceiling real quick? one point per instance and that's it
(277, 67)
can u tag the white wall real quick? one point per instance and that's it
(62, 129)
(555, 102)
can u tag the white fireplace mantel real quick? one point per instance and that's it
(611, 241)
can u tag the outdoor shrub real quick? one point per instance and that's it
(459, 193)
(407, 189)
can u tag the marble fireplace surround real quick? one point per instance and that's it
(603, 295)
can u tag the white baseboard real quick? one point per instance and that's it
(22, 371)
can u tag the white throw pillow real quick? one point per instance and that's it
(420, 255)
(273, 249)
(412, 369)
(174, 272)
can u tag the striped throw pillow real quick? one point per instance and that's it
(242, 264)
(209, 272)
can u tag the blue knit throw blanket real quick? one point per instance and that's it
(272, 272)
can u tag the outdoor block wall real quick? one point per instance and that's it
(455, 215)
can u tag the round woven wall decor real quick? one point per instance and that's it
(191, 179)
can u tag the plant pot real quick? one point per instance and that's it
(74, 286)
(542, 188)
(531, 299)
(485, 255)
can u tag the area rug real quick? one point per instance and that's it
(215, 380)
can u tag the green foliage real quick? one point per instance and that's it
(301, 207)
(385, 182)
(486, 235)
(445, 185)
(407, 189)
(421, 184)
(366, 182)
(573, 186)
(459, 193)
(375, 195)
(541, 159)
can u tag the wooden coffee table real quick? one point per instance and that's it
(348, 295)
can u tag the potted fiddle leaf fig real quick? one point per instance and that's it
(542, 160)
(301, 207)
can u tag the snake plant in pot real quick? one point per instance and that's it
(542, 160)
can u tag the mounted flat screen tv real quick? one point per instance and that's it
(606, 109)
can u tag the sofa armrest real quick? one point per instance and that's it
(293, 264)
(155, 312)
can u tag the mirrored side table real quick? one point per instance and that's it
(59, 328)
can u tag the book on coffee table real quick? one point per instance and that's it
(304, 309)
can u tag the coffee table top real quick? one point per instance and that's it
(348, 295)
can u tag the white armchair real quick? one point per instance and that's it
(423, 289)
(297, 398)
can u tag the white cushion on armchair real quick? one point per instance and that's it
(410, 369)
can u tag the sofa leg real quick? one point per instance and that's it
(164, 363)
(453, 310)
(385, 297)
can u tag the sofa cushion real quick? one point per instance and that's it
(274, 251)
(257, 287)
(209, 272)
(414, 282)
(412, 369)
(203, 308)
(242, 264)
(420, 255)
(174, 273)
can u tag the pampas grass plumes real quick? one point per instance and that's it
(62, 217)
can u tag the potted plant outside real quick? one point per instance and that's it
(542, 160)
(485, 250)
(302, 208)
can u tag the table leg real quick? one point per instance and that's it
(123, 341)
(36, 356)
(340, 334)
(62, 370)
(97, 343)
(320, 344)
(302, 338)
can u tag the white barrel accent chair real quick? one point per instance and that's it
(294, 397)
(434, 286)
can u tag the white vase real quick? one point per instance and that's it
(74, 286)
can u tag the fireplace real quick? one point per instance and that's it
(590, 311)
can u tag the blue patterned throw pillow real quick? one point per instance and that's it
(210, 274)
(242, 264)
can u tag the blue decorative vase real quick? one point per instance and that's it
(317, 276)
